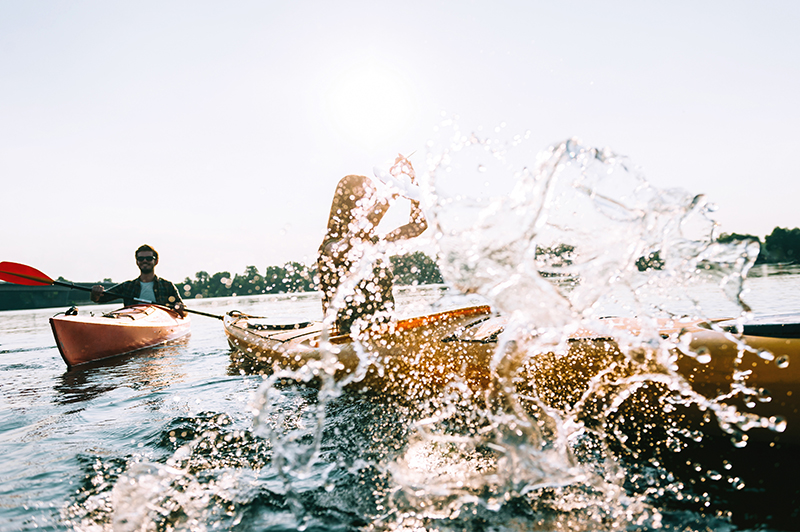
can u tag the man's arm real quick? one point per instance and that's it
(99, 294)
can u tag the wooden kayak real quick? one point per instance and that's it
(414, 358)
(412, 354)
(748, 377)
(83, 339)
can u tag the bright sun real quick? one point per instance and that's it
(371, 104)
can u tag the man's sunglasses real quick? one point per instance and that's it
(148, 258)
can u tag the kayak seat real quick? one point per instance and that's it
(487, 333)
(277, 327)
(776, 330)
(775, 326)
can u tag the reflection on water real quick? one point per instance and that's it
(149, 368)
(773, 270)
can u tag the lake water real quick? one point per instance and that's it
(166, 439)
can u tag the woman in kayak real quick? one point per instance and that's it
(358, 206)
(147, 286)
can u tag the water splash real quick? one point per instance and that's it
(554, 240)
(571, 431)
(568, 233)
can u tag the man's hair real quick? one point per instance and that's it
(145, 247)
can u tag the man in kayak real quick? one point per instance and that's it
(358, 206)
(146, 287)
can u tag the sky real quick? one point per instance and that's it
(216, 131)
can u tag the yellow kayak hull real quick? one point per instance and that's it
(415, 358)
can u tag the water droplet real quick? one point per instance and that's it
(703, 355)
(778, 423)
(766, 355)
(764, 396)
(782, 361)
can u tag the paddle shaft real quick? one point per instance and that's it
(87, 289)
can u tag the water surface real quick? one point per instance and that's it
(166, 438)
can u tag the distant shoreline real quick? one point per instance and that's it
(15, 297)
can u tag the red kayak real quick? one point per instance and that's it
(83, 339)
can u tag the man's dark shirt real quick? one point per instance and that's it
(166, 293)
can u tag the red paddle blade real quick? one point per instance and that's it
(13, 272)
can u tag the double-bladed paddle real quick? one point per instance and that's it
(16, 273)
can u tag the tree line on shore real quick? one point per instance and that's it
(780, 246)
(411, 269)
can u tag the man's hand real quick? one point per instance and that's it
(177, 305)
(97, 292)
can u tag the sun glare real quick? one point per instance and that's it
(371, 104)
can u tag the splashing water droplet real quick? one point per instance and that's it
(704, 359)
(703, 355)
(764, 395)
(778, 423)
